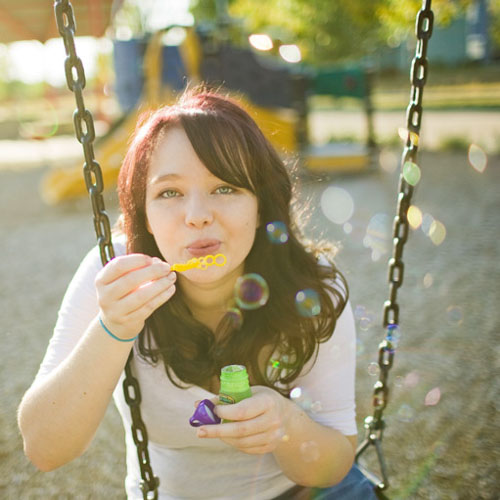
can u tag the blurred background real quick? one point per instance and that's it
(328, 82)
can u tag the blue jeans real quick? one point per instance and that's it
(354, 486)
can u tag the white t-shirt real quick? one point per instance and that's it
(189, 467)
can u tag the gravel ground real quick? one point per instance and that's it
(442, 434)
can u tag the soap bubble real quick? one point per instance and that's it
(307, 302)
(455, 315)
(309, 451)
(432, 397)
(477, 158)
(316, 407)
(277, 232)
(235, 317)
(406, 413)
(337, 204)
(359, 311)
(360, 347)
(251, 291)
(296, 393)
(347, 227)
(373, 369)
(411, 173)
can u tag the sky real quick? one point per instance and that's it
(32, 61)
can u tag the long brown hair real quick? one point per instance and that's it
(232, 147)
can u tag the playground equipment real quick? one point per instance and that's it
(374, 424)
(150, 73)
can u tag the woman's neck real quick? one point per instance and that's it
(209, 302)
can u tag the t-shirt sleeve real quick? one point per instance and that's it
(327, 391)
(78, 308)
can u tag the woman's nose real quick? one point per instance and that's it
(198, 211)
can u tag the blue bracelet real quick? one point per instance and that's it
(114, 336)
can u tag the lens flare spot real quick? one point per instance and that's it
(412, 379)
(437, 232)
(251, 291)
(432, 397)
(309, 451)
(307, 303)
(277, 232)
(337, 204)
(296, 393)
(427, 221)
(261, 41)
(428, 280)
(388, 161)
(477, 158)
(377, 236)
(373, 369)
(406, 413)
(455, 315)
(414, 216)
(347, 227)
(411, 173)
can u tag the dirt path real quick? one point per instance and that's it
(448, 354)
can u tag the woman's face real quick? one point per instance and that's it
(192, 213)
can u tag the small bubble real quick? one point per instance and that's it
(296, 393)
(477, 158)
(437, 232)
(251, 291)
(360, 347)
(428, 280)
(316, 407)
(337, 204)
(455, 315)
(411, 173)
(393, 335)
(365, 323)
(432, 397)
(347, 228)
(277, 232)
(359, 311)
(414, 216)
(235, 317)
(307, 303)
(309, 451)
(406, 413)
(373, 369)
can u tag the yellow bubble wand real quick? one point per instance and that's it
(204, 262)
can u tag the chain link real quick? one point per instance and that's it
(85, 133)
(375, 424)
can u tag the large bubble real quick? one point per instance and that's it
(251, 291)
(337, 204)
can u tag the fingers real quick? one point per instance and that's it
(130, 288)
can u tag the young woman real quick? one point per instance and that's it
(201, 179)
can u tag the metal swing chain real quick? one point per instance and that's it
(375, 424)
(85, 133)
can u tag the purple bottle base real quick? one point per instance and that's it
(204, 414)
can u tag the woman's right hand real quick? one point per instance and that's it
(129, 289)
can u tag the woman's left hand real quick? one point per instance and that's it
(257, 423)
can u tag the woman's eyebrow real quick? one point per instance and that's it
(165, 177)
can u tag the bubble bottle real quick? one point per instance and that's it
(234, 385)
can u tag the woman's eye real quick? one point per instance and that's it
(224, 190)
(169, 193)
